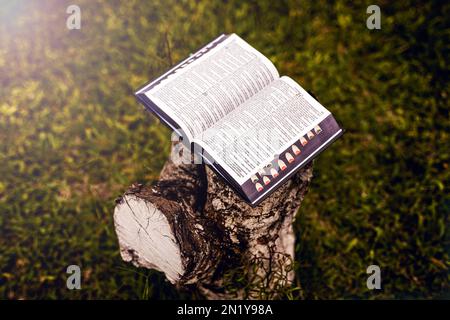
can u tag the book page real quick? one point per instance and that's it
(255, 133)
(207, 88)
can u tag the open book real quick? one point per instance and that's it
(232, 108)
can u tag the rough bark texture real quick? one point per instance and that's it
(195, 228)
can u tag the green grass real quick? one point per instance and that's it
(73, 137)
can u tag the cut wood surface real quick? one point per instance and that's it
(193, 227)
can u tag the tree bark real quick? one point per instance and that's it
(193, 227)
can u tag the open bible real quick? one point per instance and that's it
(235, 113)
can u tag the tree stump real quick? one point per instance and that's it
(193, 227)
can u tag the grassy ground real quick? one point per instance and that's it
(72, 138)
